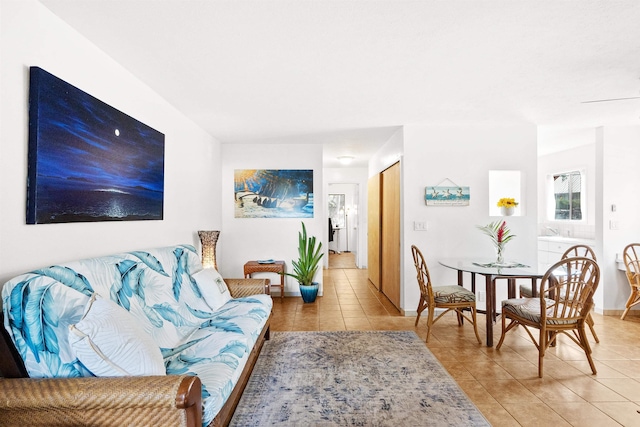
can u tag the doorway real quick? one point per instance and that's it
(343, 220)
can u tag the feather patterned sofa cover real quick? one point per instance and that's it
(155, 318)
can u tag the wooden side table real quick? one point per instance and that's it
(273, 267)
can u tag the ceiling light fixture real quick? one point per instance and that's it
(345, 160)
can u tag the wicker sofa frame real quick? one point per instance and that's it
(172, 400)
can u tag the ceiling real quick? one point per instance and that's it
(347, 74)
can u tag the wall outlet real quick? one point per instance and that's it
(614, 225)
(481, 296)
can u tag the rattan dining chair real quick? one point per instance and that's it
(631, 258)
(566, 297)
(451, 298)
(573, 251)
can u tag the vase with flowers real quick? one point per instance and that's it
(500, 235)
(507, 205)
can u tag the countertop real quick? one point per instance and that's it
(563, 239)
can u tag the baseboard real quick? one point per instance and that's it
(291, 294)
(414, 313)
(409, 313)
(618, 313)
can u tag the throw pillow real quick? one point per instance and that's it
(108, 341)
(214, 291)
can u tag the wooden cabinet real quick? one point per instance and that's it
(390, 235)
(550, 249)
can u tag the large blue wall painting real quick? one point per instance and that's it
(273, 193)
(87, 160)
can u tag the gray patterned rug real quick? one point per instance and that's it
(352, 378)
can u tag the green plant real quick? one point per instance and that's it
(500, 236)
(308, 258)
(498, 232)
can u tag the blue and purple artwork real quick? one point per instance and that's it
(87, 160)
(273, 193)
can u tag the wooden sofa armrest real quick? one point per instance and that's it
(123, 401)
(245, 287)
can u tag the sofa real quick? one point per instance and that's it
(140, 338)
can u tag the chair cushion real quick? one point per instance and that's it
(109, 342)
(452, 294)
(529, 308)
(525, 291)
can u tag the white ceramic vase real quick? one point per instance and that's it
(507, 210)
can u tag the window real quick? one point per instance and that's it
(567, 196)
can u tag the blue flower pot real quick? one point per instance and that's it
(309, 293)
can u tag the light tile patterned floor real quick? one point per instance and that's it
(503, 384)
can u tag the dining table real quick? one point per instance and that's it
(492, 272)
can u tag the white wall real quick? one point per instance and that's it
(609, 156)
(463, 154)
(581, 158)
(244, 239)
(552, 139)
(390, 153)
(31, 35)
(617, 154)
(334, 178)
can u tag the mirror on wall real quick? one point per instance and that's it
(337, 210)
(505, 184)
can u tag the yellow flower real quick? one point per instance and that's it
(507, 202)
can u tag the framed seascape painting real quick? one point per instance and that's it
(447, 196)
(87, 160)
(273, 193)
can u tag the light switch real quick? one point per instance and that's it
(614, 225)
(420, 225)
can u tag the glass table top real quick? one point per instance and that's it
(488, 267)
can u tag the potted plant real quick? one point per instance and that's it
(305, 268)
(500, 235)
(507, 206)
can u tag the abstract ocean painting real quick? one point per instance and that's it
(87, 160)
(273, 193)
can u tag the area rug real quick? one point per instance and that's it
(352, 378)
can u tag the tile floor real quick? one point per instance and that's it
(503, 384)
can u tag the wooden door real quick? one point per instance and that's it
(373, 230)
(390, 234)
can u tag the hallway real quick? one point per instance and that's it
(342, 260)
(503, 384)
